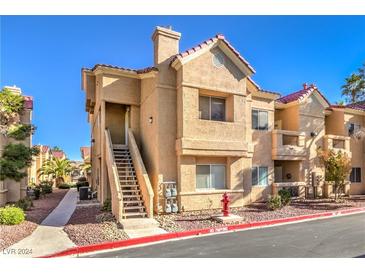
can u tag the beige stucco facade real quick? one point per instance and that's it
(161, 106)
(10, 190)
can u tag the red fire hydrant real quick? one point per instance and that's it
(225, 201)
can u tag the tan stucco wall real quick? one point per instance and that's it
(312, 119)
(358, 152)
(262, 142)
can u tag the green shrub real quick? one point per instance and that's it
(46, 187)
(64, 186)
(25, 203)
(285, 197)
(37, 192)
(20, 131)
(11, 215)
(274, 202)
(82, 179)
(81, 184)
(107, 206)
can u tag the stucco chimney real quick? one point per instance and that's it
(166, 43)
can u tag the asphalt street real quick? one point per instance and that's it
(334, 237)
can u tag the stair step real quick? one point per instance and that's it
(134, 185)
(133, 202)
(132, 196)
(131, 191)
(133, 214)
(128, 181)
(133, 207)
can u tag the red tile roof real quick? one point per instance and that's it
(58, 154)
(45, 149)
(208, 42)
(85, 152)
(307, 90)
(138, 71)
(28, 102)
(357, 106)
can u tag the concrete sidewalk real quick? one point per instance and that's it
(48, 237)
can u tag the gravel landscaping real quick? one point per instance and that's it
(10, 234)
(44, 206)
(90, 225)
(254, 212)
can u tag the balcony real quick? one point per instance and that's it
(288, 145)
(337, 143)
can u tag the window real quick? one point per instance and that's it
(210, 176)
(355, 176)
(260, 119)
(260, 176)
(353, 128)
(212, 108)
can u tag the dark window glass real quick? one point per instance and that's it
(255, 119)
(260, 119)
(211, 108)
(355, 176)
(218, 109)
(204, 107)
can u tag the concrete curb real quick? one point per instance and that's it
(198, 232)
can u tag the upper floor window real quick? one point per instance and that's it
(353, 128)
(260, 119)
(355, 176)
(212, 108)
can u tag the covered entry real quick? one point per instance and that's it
(117, 121)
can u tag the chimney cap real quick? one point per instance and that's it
(166, 31)
(305, 85)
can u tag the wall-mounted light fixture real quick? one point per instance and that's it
(150, 119)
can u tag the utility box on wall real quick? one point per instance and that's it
(170, 197)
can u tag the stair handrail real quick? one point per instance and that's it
(142, 175)
(116, 191)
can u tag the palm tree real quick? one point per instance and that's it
(354, 89)
(58, 169)
(86, 168)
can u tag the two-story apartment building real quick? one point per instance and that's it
(196, 120)
(11, 191)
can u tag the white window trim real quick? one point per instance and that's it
(258, 176)
(210, 108)
(258, 119)
(210, 174)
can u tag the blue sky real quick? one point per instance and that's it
(43, 55)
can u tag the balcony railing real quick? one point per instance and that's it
(337, 143)
(288, 145)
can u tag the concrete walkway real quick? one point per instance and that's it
(141, 227)
(49, 236)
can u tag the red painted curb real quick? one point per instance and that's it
(203, 231)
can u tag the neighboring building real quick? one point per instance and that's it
(45, 154)
(38, 161)
(11, 191)
(198, 119)
(85, 155)
(58, 154)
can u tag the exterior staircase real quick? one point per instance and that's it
(133, 205)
